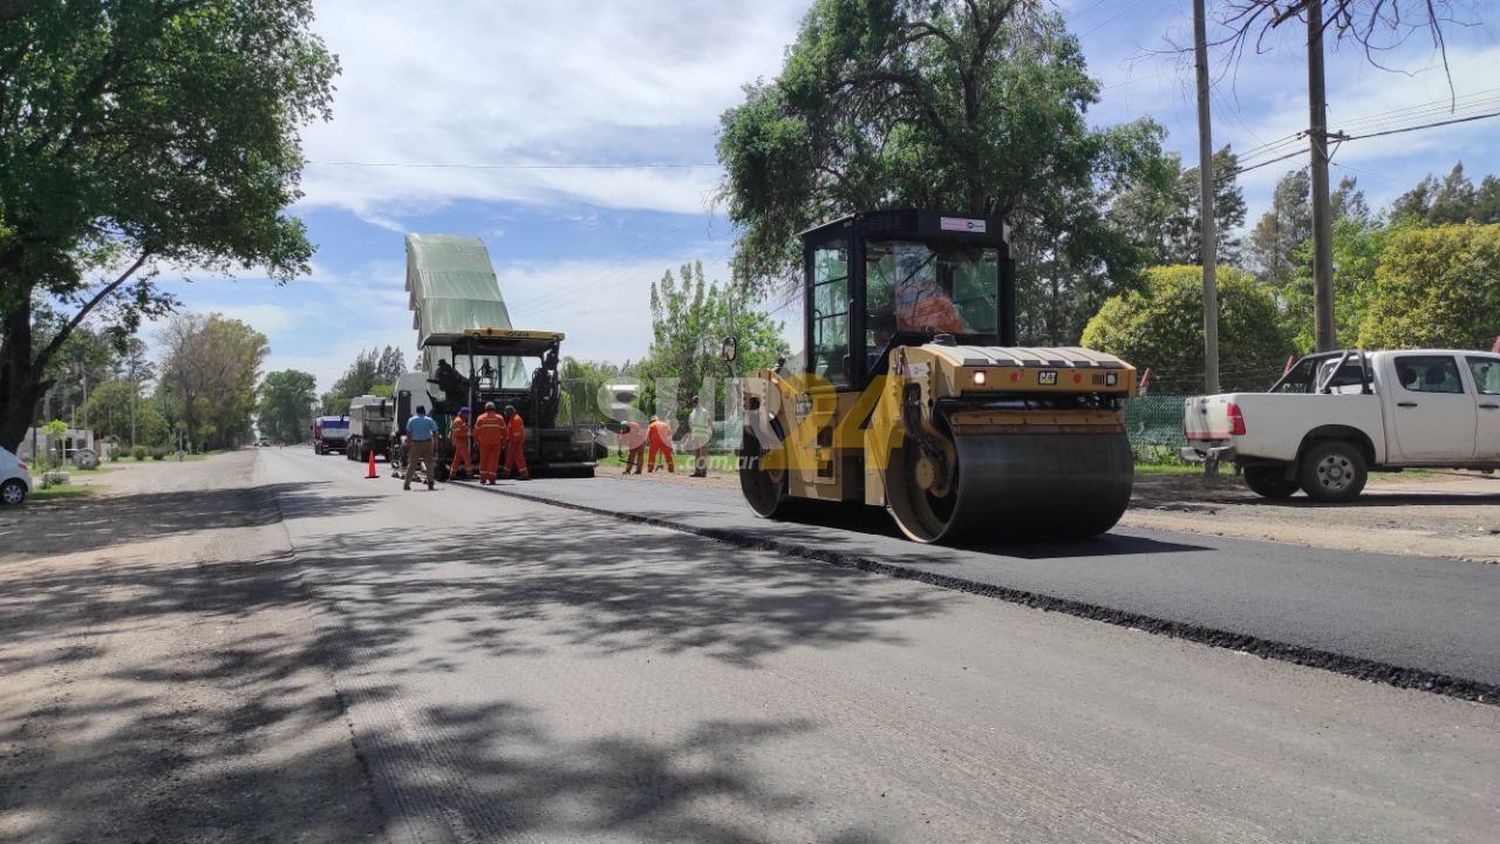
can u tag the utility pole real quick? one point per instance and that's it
(1206, 205)
(1322, 213)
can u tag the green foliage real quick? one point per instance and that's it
(690, 317)
(138, 452)
(1161, 210)
(1436, 287)
(208, 378)
(144, 132)
(56, 428)
(285, 409)
(158, 453)
(109, 408)
(1161, 327)
(581, 380)
(373, 372)
(973, 106)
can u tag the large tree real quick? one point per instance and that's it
(1161, 210)
(208, 377)
(373, 372)
(284, 412)
(975, 106)
(135, 133)
(690, 317)
(1281, 231)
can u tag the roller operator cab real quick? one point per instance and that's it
(913, 395)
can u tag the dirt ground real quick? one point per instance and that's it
(162, 673)
(1437, 514)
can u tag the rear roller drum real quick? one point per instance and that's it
(1004, 486)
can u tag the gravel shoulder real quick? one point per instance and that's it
(163, 674)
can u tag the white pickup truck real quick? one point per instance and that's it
(1334, 417)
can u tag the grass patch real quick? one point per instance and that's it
(1172, 469)
(52, 493)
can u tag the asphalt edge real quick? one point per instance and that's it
(1358, 667)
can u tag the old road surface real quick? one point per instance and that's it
(350, 662)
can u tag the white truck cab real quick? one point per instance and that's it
(1336, 416)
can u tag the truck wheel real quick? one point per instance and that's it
(1333, 472)
(1270, 482)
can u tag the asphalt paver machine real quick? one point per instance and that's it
(914, 396)
(512, 367)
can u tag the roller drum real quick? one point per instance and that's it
(1053, 485)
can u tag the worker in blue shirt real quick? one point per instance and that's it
(421, 446)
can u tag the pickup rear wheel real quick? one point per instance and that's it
(1333, 472)
(1270, 482)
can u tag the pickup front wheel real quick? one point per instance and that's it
(1270, 482)
(1333, 472)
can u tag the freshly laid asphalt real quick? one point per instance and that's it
(1413, 621)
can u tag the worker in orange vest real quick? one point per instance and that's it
(462, 447)
(634, 439)
(515, 445)
(660, 437)
(489, 432)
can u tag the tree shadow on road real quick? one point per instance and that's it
(84, 525)
(239, 741)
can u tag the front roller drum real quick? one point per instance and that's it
(1012, 486)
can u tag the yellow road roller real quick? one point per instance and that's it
(914, 396)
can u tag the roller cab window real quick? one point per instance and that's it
(830, 312)
(921, 288)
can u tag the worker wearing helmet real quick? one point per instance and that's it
(659, 437)
(921, 302)
(462, 445)
(515, 445)
(489, 432)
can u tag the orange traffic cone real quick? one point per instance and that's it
(371, 473)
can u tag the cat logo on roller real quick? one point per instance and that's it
(915, 397)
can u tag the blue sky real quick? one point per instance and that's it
(609, 81)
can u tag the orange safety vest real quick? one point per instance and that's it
(489, 428)
(460, 432)
(517, 429)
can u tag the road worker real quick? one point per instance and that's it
(634, 439)
(489, 432)
(701, 430)
(515, 445)
(462, 446)
(659, 437)
(421, 446)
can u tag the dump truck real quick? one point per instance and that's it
(471, 355)
(330, 433)
(914, 396)
(372, 421)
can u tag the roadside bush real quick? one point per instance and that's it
(139, 452)
(158, 454)
(114, 454)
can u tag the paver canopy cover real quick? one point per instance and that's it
(452, 286)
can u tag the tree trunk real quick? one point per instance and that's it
(20, 384)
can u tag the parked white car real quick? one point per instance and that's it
(1334, 417)
(15, 479)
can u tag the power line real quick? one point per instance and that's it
(1341, 137)
(519, 165)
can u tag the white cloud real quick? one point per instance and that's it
(570, 80)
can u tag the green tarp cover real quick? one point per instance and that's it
(452, 285)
